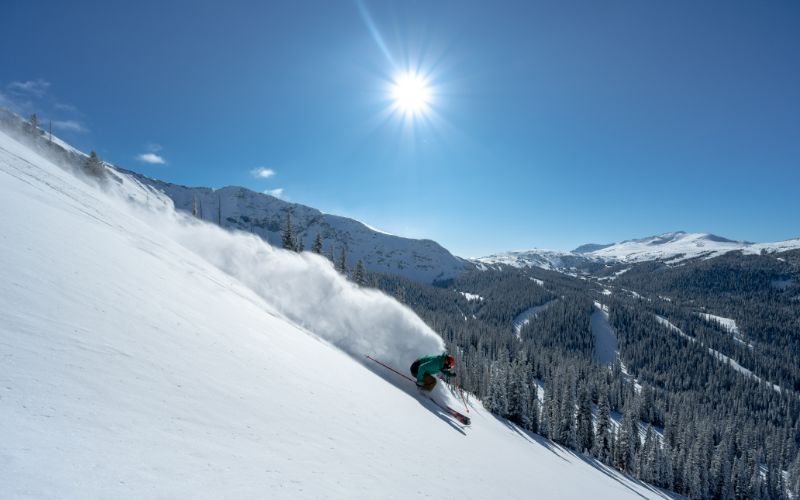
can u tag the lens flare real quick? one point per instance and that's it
(411, 94)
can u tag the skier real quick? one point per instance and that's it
(426, 367)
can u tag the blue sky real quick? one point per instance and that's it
(550, 124)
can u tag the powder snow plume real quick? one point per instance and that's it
(305, 288)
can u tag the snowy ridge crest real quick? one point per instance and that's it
(264, 215)
(672, 247)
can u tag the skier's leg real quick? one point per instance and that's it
(428, 382)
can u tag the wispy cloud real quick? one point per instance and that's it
(153, 147)
(38, 87)
(262, 173)
(69, 108)
(151, 158)
(277, 192)
(70, 126)
(35, 96)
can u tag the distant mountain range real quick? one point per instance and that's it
(669, 247)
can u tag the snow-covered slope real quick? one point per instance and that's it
(553, 260)
(265, 215)
(672, 247)
(146, 354)
(680, 245)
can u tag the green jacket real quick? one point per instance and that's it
(432, 365)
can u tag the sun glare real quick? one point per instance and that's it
(411, 93)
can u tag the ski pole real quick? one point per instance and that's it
(390, 368)
(461, 392)
(454, 386)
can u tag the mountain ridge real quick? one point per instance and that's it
(237, 207)
(672, 247)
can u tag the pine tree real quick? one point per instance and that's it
(547, 425)
(719, 475)
(602, 440)
(94, 166)
(755, 486)
(359, 274)
(794, 478)
(533, 409)
(498, 384)
(741, 478)
(585, 433)
(317, 246)
(33, 125)
(519, 393)
(647, 407)
(288, 238)
(567, 436)
(342, 264)
(628, 441)
(666, 474)
(301, 247)
(197, 210)
(400, 294)
(648, 457)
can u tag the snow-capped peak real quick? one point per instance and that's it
(672, 247)
(678, 245)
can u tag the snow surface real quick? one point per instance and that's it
(471, 296)
(525, 316)
(605, 339)
(146, 354)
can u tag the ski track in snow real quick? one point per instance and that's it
(718, 355)
(147, 355)
(605, 340)
(727, 324)
(525, 316)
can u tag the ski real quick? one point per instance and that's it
(465, 420)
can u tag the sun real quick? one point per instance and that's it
(411, 93)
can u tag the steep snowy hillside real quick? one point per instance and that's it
(671, 247)
(265, 215)
(147, 354)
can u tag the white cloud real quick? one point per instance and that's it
(277, 192)
(69, 125)
(37, 87)
(65, 107)
(262, 173)
(151, 158)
